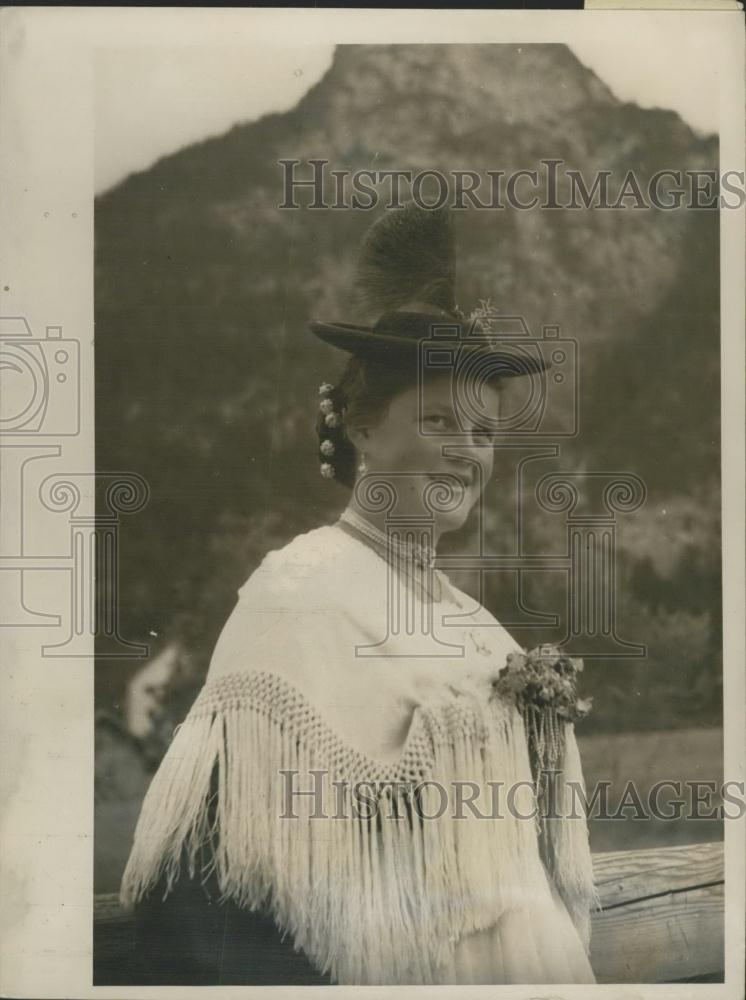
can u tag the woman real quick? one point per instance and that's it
(336, 776)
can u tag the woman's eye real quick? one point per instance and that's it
(485, 432)
(437, 421)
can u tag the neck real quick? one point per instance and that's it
(380, 521)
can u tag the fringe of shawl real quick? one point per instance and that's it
(369, 902)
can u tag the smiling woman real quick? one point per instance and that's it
(399, 423)
(350, 660)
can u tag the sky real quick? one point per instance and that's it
(151, 101)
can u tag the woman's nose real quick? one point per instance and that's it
(469, 443)
(470, 454)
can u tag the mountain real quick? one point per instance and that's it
(207, 374)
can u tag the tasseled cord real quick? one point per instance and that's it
(562, 826)
(379, 901)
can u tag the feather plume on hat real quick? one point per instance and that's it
(408, 257)
(406, 277)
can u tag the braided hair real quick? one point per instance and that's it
(360, 398)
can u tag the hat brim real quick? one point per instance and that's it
(506, 360)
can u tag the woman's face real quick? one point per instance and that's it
(421, 442)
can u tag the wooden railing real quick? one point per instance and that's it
(662, 919)
(663, 915)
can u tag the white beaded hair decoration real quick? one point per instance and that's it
(330, 428)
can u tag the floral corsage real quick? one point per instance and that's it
(545, 678)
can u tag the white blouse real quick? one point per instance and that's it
(333, 659)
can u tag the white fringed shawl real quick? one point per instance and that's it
(381, 902)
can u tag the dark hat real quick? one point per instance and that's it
(406, 276)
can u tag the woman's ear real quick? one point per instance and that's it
(359, 436)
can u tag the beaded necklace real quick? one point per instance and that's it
(415, 560)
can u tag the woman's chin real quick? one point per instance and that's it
(453, 520)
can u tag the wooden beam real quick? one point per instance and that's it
(625, 876)
(662, 918)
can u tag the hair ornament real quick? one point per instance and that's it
(330, 423)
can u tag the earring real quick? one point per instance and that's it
(363, 466)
